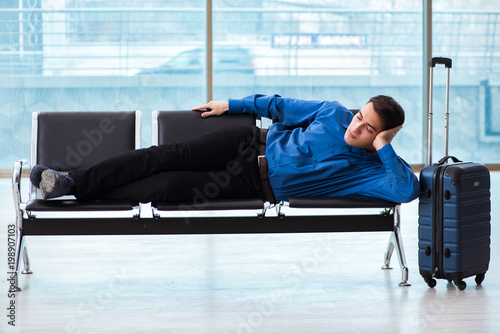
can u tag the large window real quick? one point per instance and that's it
(151, 55)
(469, 33)
(96, 55)
(335, 50)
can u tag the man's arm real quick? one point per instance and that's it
(398, 182)
(290, 112)
(260, 105)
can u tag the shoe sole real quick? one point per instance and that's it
(47, 183)
(36, 178)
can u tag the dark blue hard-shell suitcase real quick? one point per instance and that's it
(454, 212)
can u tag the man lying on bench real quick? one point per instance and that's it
(315, 149)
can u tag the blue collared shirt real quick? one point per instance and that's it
(313, 158)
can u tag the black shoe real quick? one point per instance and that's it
(36, 175)
(55, 184)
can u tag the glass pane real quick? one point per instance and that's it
(467, 32)
(347, 50)
(96, 55)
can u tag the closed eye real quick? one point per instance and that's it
(369, 126)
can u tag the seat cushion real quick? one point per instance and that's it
(340, 202)
(216, 204)
(69, 205)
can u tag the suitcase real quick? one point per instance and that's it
(454, 211)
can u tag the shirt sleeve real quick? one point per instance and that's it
(399, 183)
(288, 111)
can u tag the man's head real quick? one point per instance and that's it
(379, 114)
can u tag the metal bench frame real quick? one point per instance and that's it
(35, 217)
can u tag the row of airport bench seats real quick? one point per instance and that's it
(68, 140)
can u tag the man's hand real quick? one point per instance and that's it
(214, 108)
(385, 137)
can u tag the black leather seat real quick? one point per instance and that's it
(179, 125)
(68, 140)
(173, 126)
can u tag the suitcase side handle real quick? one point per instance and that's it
(445, 159)
(440, 60)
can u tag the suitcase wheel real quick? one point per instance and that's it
(431, 282)
(479, 279)
(461, 285)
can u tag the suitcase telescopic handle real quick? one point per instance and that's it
(432, 63)
(441, 61)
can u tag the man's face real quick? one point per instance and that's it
(364, 127)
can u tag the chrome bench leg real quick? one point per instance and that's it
(15, 273)
(388, 253)
(26, 259)
(20, 244)
(396, 242)
(20, 247)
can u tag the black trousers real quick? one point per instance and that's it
(222, 164)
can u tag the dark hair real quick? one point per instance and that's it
(390, 111)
